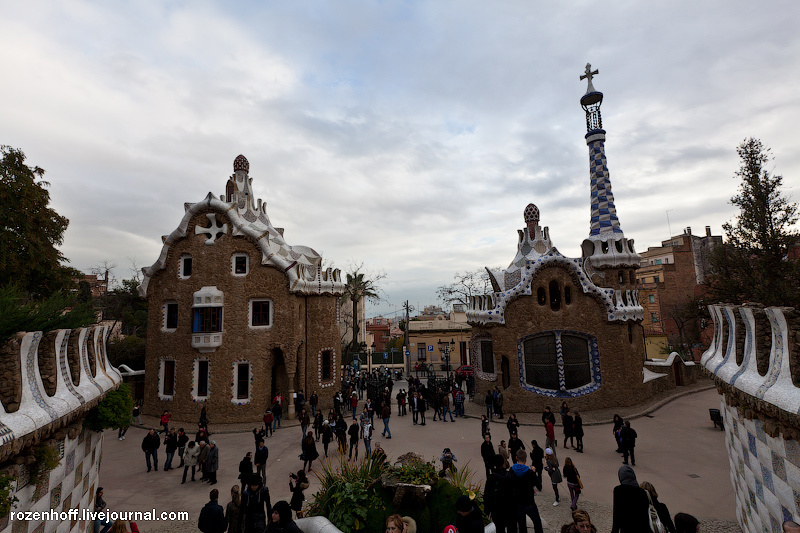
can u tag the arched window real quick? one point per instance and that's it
(555, 296)
(541, 297)
(567, 295)
(561, 362)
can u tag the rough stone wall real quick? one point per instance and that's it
(299, 344)
(620, 360)
(71, 485)
(11, 374)
(47, 362)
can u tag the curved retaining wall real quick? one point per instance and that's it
(753, 356)
(50, 383)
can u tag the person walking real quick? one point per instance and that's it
(305, 420)
(484, 426)
(547, 414)
(150, 445)
(246, 469)
(386, 413)
(254, 498)
(458, 401)
(183, 439)
(354, 403)
(631, 509)
(327, 435)
(201, 459)
(212, 516)
(615, 430)
(487, 454)
(423, 406)
(366, 434)
(211, 464)
(661, 509)
(577, 430)
(568, 421)
(446, 408)
(354, 432)
(502, 451)
(300, 484)
(190, 459)
(550, 435)
(137, 412)
(498, 402)
(309, 451)
(277, 410)
(551, 465)
(627, 442)
(233, 514)
(498, 498)
(573, 482)
(341, 434)
(317, 425)
(170, 446)
(414, 408)
(488, 401)
(165, 416)
(269, 421)
(260, 460)
(512, 424)
(515, 444)
(523, 482)
(313, 401)
(537, 462)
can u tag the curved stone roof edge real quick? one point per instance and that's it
(496, 315)
(332, 283)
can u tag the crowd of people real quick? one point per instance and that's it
(514, 473)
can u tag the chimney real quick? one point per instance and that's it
(708, 231)
(688, 230)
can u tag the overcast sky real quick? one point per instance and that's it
(407, 136)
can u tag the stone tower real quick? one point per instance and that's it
(608, 257)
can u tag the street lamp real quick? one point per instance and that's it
(444, 349)
(369, 363)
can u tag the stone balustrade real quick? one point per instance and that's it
(48, 380)
(754, 359)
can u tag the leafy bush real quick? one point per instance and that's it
(113, 411)
(46, 460)
(7, 496)
(58, 311)
(416, 472)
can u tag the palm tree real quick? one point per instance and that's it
(357, 288)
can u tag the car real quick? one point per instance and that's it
(465, 370)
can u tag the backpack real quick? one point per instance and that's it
(656, 526)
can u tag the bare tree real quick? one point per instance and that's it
(466, 284)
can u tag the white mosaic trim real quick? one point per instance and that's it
(332, 381)
(234, 379)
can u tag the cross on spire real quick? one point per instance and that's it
(588, 76)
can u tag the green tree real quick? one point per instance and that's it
(60, 310)
(30, 230)
(753, 264)
(113, 411)
(359, 287)
(123, 305)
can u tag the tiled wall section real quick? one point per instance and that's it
(70, 485)
(765, 473)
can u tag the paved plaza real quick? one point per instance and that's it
(678, 450)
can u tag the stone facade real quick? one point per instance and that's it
(51, 381)
(251, 316)
(754, 359)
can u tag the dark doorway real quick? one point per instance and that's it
(278, 378)
(676, 369)
(505, 368)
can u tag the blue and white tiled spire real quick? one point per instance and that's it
(606, 246)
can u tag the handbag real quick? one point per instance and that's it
(580, 483)
(656, 526)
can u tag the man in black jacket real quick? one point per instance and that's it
(150, 445)
(537, 462)
(262, 453)
(628, 443)
(487, 453)
(183, 440)
(523, 482)
(254, 498)
(246, 469)
(212, 517)
(498, 498)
